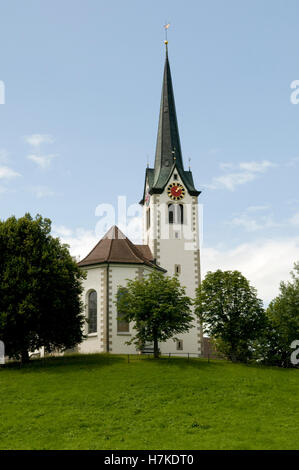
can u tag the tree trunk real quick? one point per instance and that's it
(233, 356)
(24, 356)
(156, 347)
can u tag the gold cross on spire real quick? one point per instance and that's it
(166, 26)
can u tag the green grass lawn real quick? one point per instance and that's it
(101, 402)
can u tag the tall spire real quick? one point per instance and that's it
(168, 148)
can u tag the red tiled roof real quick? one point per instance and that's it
(115, 247)
(146, 251)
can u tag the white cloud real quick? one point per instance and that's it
(252, 224)
(35, 140)
(7, 173)
(256, 167)
(265, 263)
(41, 191)
(246, 222)
(43, 161)
(251, 219)
(239, 174)
(295, 219)
(81, 241)
(231, 180)
(62, 231)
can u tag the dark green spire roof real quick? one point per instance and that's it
(168, 148)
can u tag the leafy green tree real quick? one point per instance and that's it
(230, 312)
(158, 306)
(40, 289)
(283, 323)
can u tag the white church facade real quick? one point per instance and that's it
(170, 244)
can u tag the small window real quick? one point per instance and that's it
(177, 269)
(92, 312)
(179, 345)
(175, 176)
(148, 219)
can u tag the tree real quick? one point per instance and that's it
(230, 312)
(158, 306)
(40, 289)
(283, 323)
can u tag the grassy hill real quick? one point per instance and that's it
(102, 402)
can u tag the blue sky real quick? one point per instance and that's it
(82, 92)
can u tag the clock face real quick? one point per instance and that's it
(176, 191)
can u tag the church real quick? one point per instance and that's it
(170, 244)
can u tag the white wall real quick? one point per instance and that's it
(119, 274)
(96, 280)
(183, 251)
(168, 251)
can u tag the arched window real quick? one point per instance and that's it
(175, 214)
(92, 312)
(123, 325)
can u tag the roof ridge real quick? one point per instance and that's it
(139, 254)
(118, 248)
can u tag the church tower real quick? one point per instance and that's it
(170, 212)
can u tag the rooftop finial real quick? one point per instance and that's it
(166, 26)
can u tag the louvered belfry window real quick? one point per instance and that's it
(92, 312)
(170, 213)
(175, 214)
